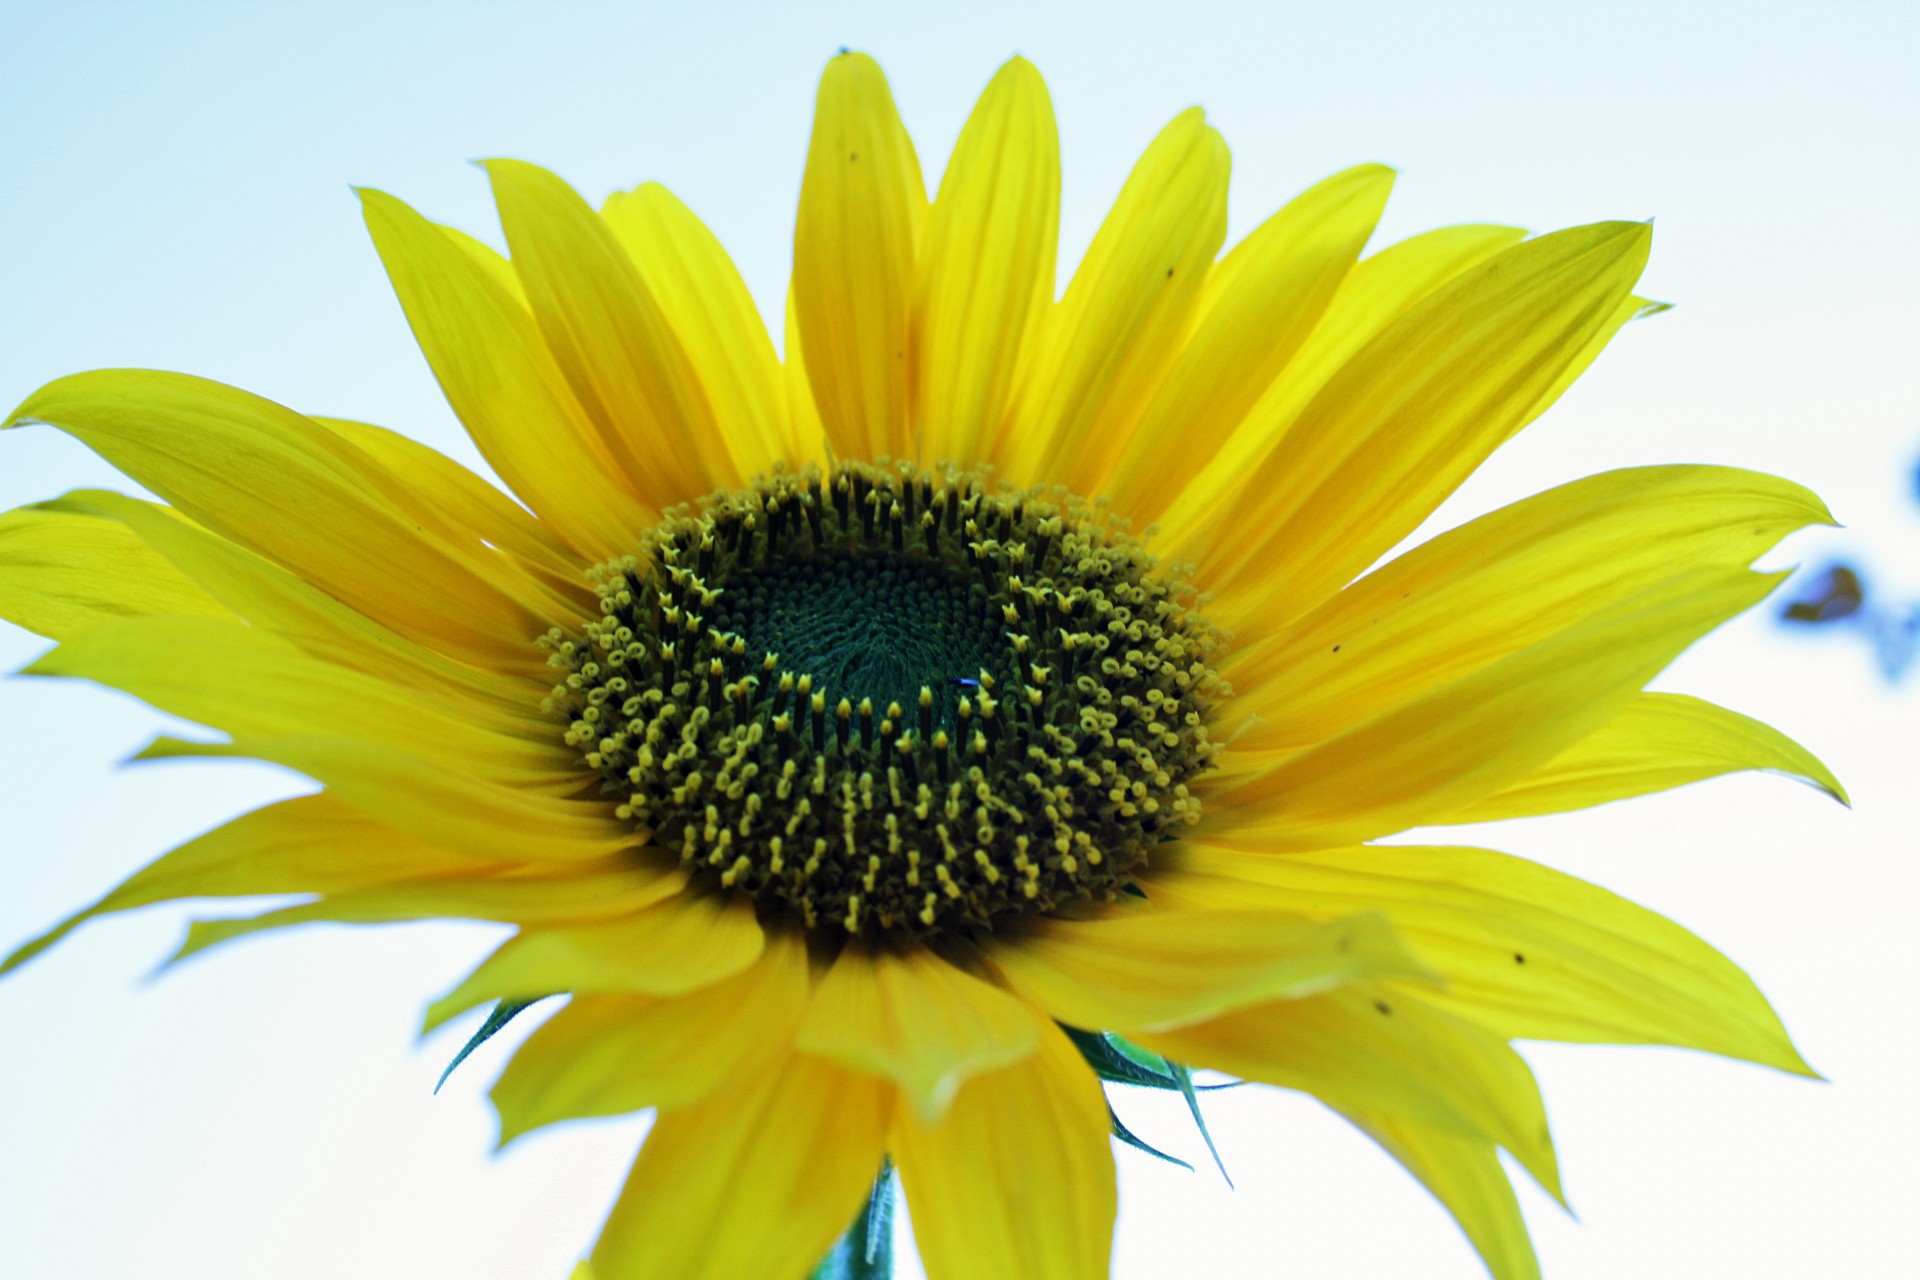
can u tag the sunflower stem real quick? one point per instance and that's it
(865, 1252)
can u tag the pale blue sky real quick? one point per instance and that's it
(174, 193)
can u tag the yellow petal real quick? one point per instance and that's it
(1166, 968)
(606, 1055)
(1499, 583)
(801, 409)
(707, 305)
(1101, 352)
(1372, 296)
(1625, 312)
(988, 265)
(682, 945)
(498, 375)
(1015, 1182)
(486, 257)
(1521, 949)
(577, 892)
(1440, 751)
(435, 489)
(1661, 740)
(284, 486)
(273, 600)
(420, 795)
(1258, 307)
(1380, 1049)
(1465, 1175)
(311, 844)
(611, 339)
(1411, 415)
(862, 206)
(64, 568)
(915, 1019)
(757, 1181)
(241, 681)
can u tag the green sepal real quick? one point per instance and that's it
(866, 1251)
(1142, 1057)
(1185, 1076)
(1109, 1061)
(878, 1225)
(1120, 1061)
(1127, 1136)
(503, 1012)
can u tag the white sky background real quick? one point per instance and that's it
(174, 193)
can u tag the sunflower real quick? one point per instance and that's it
(879, 745)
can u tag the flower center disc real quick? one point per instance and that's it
(894, 701)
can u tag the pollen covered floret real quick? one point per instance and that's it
(894, 700)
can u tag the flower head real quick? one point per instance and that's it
(878, 744)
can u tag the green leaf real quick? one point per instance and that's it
(503, 1013)
(1127, 1136)
(1185, 1077)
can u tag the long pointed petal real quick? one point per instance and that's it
(245, 683)
(1661, 740)
(862, 206)
(563, 896)
(1100, 353)
(293, 491)
(1441, 751)
(1489, 588)
(988, 265)
(755, 1182)
(798, 387)
(437, 490)
(706, 303)
(310, 844)
(1167, 968)
(681, 945)
(1260, 304)
(611, 339)
(1465, 1175)
(606, 1055)
(1524, 950)
(420, 795)
(1380, 1049)
(473, 326)
(1016, 1181)
(917, 1020)
(1411, 415)
(64, 568)
(272, 600)
(1373, 295)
